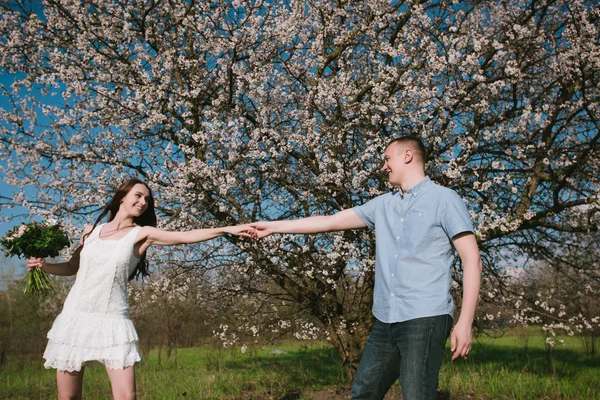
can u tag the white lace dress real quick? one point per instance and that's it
(94, 323)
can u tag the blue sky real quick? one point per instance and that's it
(8, 191)
(12, 263)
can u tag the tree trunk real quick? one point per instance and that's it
(350, 345)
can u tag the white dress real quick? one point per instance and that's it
(94, 323)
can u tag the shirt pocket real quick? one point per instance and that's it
(419, 224)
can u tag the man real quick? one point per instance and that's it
(416, 230)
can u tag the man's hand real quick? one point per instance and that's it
(241, 230)
(262, 229)
(461, 340)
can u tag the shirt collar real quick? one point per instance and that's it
(418, 188)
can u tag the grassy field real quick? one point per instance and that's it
(512, 367)
(506, 368)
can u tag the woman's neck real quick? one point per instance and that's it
(121, 222)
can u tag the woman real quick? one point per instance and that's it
(94, 323)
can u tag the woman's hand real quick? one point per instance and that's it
(241, 230)
(262, 229)
(34, 262)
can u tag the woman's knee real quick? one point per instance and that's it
(69, 396)
(125, 395)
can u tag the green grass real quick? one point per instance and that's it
(514, 367)
(215, 373)
(197, 373)
(504, 368)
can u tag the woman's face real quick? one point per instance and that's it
(136, 201)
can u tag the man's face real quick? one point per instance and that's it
(394, 163)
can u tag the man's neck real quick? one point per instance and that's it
(411, 182)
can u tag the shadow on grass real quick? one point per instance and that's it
(292, 375)
(325, 363)
(322, 365)
(560, 362)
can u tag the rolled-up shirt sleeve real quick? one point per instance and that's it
(367, 211)
(455, 217)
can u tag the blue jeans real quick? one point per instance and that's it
(411, 350)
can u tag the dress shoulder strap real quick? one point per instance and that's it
(94, 234)
(132, 235)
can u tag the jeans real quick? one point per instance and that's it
(410, 350)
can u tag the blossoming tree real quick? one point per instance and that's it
(242, 110)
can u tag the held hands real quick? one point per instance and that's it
(255, 230)
(460, 340)
(262, 229)
(245, 230)
(34, 262)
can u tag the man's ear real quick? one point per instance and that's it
(408, 155)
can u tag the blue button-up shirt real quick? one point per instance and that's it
(414, 251)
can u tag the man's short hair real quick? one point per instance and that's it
(415, 143)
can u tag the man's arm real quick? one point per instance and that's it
(461, 338)
(341, 221)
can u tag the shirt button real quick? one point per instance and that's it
(397, 237)
(401, 219)
(392, 275)
(392, 294)
(395, 255)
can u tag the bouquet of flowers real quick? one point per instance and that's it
(35, 240)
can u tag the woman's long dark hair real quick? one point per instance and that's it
(148, 218)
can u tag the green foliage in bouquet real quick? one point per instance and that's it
(35, 240)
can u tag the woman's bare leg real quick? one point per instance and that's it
(70, 384)
(122, 382)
